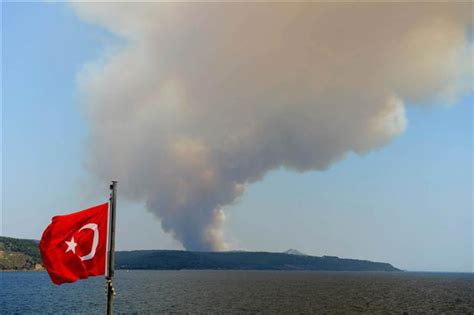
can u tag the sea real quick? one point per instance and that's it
(243, 292)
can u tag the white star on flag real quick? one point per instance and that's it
(71, 245)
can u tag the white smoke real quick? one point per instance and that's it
(206, 98)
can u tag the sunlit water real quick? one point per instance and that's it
(242, 292)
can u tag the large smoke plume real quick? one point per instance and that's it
(205, 99)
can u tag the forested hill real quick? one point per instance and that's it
(176, 260)
(19, 254)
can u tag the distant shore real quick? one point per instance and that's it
(24, 255)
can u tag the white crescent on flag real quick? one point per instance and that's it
(95, 240)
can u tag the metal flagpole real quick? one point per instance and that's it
(111, 253)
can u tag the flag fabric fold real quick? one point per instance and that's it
(74, 246)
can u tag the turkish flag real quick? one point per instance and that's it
(74, 246)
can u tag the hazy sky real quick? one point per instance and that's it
(409, 203)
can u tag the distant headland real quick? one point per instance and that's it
(20, 254)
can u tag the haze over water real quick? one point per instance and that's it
(243, 292)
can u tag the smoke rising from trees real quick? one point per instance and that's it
(206, 98)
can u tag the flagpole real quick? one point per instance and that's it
(111, 253)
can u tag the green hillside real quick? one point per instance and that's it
(176, 260)
(19, 254)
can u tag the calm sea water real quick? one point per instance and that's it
(242, 292)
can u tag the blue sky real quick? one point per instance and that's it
(409, 203)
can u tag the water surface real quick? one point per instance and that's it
(242, 292)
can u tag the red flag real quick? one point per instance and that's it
(74, 246)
